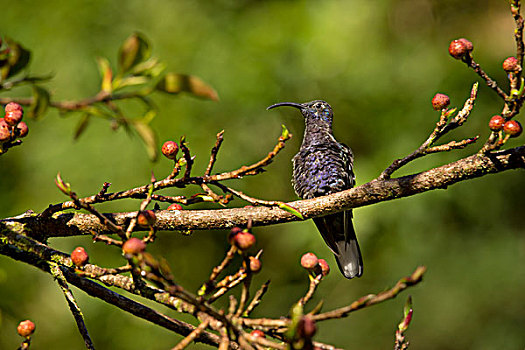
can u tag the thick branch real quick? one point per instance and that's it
(72, 224)
(25, 249)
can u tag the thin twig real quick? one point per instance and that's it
(188, 158)
(264, 342)
(214, 151)
(257, 298)
(228, 283)
(73, 306)
(141, 192)
(208, 286)
(314, 283)
(372, 299)
(232, 306)
(443, 126)
(103, 238)
(363, 302)
(251, 200)
(101, 97)
(245, 293)
(225, 340)
(515, 8)
(488, 80)
(191, 337)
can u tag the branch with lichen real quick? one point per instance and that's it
(157, 284)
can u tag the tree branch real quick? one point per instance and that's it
(73, 224)
(29, 251)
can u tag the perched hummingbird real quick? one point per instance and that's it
(324, 166)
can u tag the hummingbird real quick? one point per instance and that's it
(321, 167)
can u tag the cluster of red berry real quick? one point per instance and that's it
(313, 264)
(11, 125)
(510, 127)
(461, 49)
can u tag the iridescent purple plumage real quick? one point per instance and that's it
(324, 166)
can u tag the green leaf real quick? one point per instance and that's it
(295, 315)
(148, 137)
(285, 133)
(408, 306)
(174, 83)
(134, 50)
(150, 68)
(130, 81)
(63, 186)
(40, 102)
(82, 125)
(17, 59)
(291, 210)
(106, 73)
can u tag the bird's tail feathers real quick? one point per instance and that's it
(349, 258)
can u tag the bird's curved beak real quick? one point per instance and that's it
(290, 104)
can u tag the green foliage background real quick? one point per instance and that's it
(378, 63)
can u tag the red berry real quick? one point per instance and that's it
(255, 264)
(12, 118)
(244, 240)
(309, 261)
(146, 218)
(306, 327)
(440, 101)
(511, 64)
(325, 268)
(133, 246)
(25, 328)
(5, 134)
(234, 231)
(12, 106)
(257, 333)
(175, 206)
(512, 128)
(467, 43)
(457, 49)
(170, 149)
(496, 123)
(22, 129)
(79, 256)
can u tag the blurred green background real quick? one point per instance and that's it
(378, 63)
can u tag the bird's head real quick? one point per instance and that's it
(315, 110)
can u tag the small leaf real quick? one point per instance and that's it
(130, 81)
(134, 50)
(148, 137)
(291, 210)
(174, 83)
(408, 306)
(40, 102)
(205, 198)
(106, 73)
(295, 315)
(150, 68)
(450, 112)
(82, 125)
(18, 58)
(63, 186)
(285, 134)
